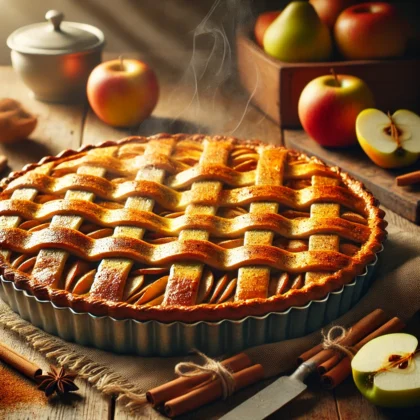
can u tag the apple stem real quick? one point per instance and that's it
(332, 71)
(394, 130)
(121, 62)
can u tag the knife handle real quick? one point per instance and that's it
(303, 371)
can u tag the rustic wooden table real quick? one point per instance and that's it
(182, 108)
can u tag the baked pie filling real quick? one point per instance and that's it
(185, 228)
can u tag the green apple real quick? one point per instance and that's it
(298, 35)
(389, 141)
(386, 370)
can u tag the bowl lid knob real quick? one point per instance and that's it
(55, 18)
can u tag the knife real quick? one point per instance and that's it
(275, 396)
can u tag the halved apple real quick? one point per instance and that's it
(389, 141)
(386, 370)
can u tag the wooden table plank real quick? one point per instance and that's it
(314, 403)
(59, 126)
(86, 404)
(351, 404)
(252, 126)
(225, 110)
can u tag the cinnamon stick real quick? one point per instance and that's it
(393, 325)
(18, 362)
(183, 385)
(337, 374)
(310, 353)
(359, 330)
(342, 369)
(211, 391)
(408, 179)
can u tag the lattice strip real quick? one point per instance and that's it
(168, 253)
(253, 281)
(183, 175)
(120, 167)
(50, 263)
(184, 279)
(178, 201)
(112, 272)
(218, 226)
(23, 194)
(323, 242)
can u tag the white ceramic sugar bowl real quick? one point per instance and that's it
(54, 58)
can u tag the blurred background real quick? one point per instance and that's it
(164, 31)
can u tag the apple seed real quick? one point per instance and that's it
(403, 365)
(394, 358)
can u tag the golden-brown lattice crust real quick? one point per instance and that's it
(326, 269)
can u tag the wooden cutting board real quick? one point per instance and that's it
(404, 201)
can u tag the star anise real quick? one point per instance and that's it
(58, 380)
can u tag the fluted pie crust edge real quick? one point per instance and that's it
(208, 312)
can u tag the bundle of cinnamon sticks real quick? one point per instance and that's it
(333, 365)
(188, 393)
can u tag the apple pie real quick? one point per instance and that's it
(185, 228)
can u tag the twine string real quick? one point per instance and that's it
(216, 369)
(332, 339)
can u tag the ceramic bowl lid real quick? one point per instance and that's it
(55, 37)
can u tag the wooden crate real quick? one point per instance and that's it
(275, 86)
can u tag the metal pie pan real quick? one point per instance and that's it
(153, 338)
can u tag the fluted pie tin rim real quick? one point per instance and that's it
(154, 338)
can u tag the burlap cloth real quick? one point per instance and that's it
(396, 289)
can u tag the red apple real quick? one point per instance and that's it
(122, 93)
(370, 30)
(328, 10)
(328, 108)
(263, 22)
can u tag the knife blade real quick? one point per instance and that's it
(273, 397)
